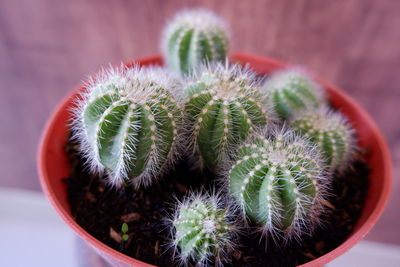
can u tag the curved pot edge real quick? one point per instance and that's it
(345, 246)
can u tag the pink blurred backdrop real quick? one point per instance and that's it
(48, 46)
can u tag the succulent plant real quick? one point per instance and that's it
(127, 122)
(192, 37)
(331, 132)
(224, 104)
(293, 90)
(279, 183)
(204, 230)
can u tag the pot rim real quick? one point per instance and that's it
(244, 57)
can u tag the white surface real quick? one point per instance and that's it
(32, 234)
(370, 254)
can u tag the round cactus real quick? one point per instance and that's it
(223, 106)
(331, 132)
(204, 231)
(278, 183)
(192, 37)
(292, 90)
(126, 122)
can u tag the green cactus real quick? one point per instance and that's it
(292, 90)
(192, 37)
(331, 132)
(278, 183)
(223, 106)
(127, 122)
(204, 231)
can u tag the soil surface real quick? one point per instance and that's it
(102, 210)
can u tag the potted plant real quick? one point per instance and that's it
(200, 163)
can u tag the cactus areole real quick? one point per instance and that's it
(203, 230)
(127, 123)
(291, 91)
(223, 106)
(192, 38)
(331, 132)
(278, 182)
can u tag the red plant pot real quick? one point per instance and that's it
(53, 164)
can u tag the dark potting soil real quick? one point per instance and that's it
(102, 210)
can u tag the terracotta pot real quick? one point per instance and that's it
(53, 165)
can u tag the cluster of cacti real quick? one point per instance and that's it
(127, 123)
(330, 131)
(224, 104)
(129, 119)
(193, 37)
(278, 182)
(291, 91)
(204, 229)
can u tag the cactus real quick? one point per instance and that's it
(192, 37)
(292, 90)
(223, 106)
(204, 231)
(331, 132)
(279, 183)
(126, 122)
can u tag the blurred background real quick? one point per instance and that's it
(47, 47)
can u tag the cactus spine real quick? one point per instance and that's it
(127, 123)
(223, 106)
(278, 182)
(292, 90)
(331, 132)
(203, 229)
(194, 36)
